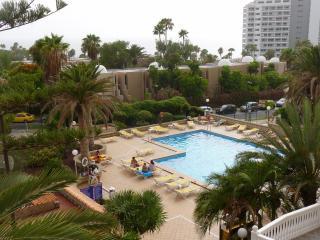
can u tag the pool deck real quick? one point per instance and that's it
(180, 224)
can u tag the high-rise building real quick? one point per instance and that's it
(279, 24)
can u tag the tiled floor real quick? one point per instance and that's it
(179, 223)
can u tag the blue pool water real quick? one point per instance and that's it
(206, 152)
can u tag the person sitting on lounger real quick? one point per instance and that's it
(97, 156)
(144, 168)
(152, 166)
(134, 163)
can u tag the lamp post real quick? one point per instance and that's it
(242, 233)
(268, 112)
(207, 102)
(75, 152)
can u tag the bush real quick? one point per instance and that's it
(167, 93)
(45, 157)
(270, 103)
(167, 117)
(120, 125)
(195, 111)
(178, 117)
(145, 116)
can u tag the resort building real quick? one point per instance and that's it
(135, 83)
(279, 24)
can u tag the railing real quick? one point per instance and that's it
(290, 226)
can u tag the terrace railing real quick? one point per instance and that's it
(291, 225)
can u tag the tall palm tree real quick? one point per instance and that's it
(50, 52)
(183, 34)
(80, 93)
(231, 50)
(158, 30)
(18, 189)
(167, 25)
(220, 51)
(306, 69)
(137, 212)
(91, 45)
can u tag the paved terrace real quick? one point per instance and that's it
(179, 224)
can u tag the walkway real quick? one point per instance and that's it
(314, 235)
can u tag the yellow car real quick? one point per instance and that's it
(23, 117)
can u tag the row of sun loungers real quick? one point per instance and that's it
(182, 187)
(155, 129)
(242, 129)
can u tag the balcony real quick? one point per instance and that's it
(302, 224)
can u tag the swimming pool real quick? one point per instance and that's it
(206, 152)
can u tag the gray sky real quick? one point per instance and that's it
(211, 23)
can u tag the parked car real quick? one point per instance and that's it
(227, 109)
(253, 106)
(280, 102)
(206, 109)
(23, 117)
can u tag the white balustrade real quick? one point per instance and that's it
(290, 225)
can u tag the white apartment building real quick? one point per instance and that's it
(279, 24)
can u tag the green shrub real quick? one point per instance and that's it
(120, 125)
(142, 123)
(120, 116)
(167, 117)
(270, 103)
(178, 117)
(195, 111)
(145, 116)
(148, 105)
(44, 157)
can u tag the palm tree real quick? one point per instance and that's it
(288, 56)
(241, 194)
(50, 53)
(306, 69)
(91, 45)
(167, 25)
(220, 51)
(135, 53)
(137, 212)
(158, 30)
(18, 189)
(231, 50)
(79, 92)
(183, 34)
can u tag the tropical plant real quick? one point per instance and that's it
(18, 189)
(79, 93)
(159, 31)
(166, 24)
(71, 53)
(183, 34)
(50, 54)
(231, 50)
(306, 80)
(135, 52)
(137, 212)
(220, 51)
(288, 56)
(91, 46)
(15, 14)
(270, 53)
(241, 193)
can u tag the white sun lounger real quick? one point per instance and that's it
(180, 183)
(185, 192)
(165, 179)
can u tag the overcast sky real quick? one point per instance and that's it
(211, 23)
